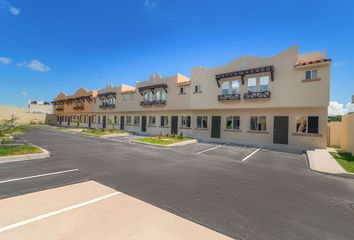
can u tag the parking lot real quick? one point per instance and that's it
(214, 190)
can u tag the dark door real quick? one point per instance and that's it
(174, 124)
(69, 119)
(104, 122)
(215, 126)
(281, 129)
(121, 122)
(60, 118)
(90, 121)
(143, 123)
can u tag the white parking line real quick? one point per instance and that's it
(40, 217)
(209, 149)
(36, 176)
(251, 154)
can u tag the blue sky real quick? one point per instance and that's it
(49, 46)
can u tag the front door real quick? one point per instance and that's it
(215, 126)
(60, 118)
(281, 129)
(143, 123)
(104, 122)
(174, 125)
(69, 119)
(90, 121)
(121, 122)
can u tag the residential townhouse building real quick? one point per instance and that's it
(281, 99)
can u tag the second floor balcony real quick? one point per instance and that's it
(153, 102)
(257, 95)
(59, 108)
(107, 106)
(78, 108)
(229, 97)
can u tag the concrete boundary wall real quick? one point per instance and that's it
(23, 116)
(341, 134)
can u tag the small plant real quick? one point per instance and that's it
(112, 123)
(180, 135)
(77, 121)
(160, 136)
(167, 135)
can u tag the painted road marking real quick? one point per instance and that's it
(37, 176)
(209, 149)
(247, 157)
(43, 216)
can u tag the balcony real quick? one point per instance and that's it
(154, 102)
(78, 108)
(257, 95)
(107, 106)
(59, 108)
(229, 97)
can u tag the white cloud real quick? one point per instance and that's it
(35, 65)
(4, 4)
(150, 4)
(15, 11)
(336, 108)
(24, 94)
(337, 64)
(5, 60)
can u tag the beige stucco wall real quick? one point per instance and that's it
(342, 133)
(347, 133)
(23, 116)
(287, 89)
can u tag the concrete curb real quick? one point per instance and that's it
(25, 157)
(167, 146)
(116, 135)
(322, 162)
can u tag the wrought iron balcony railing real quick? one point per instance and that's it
(105, 106)
(78, 108)
(256, 95)
(154, 102)
(59, 108)
(227, 97)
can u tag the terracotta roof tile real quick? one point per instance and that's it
(314, 61)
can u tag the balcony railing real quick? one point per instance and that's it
(255, 95)
(228, 97)
(78, 108)
(59, 108)
(154, 102)
(106, 106)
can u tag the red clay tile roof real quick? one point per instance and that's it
(320, 60)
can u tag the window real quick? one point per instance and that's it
(99, 120)
(136, 120)
(186, 121)
(225, 88)
(311, 74)
(85, 119)
(202, 122)
(197, 88)
(150, 96)
(93, 119)
(258, 123)
(182, 90)
(129, 120)
(306, 124)
(158, 95)
(163, 94)
(252, 85)
(164, 121)
(235, 86)
(233, 123)
(152, 120)
(264, 83)
(146, 96)
(115, 119)
(125, 98)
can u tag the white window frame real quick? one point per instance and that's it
(248, 84)
(186, 121)
(152, 123)
(128, 120)
(258, 122)
(264, 79)
(136, 120)
(164, 122)
(313, 74)
(235, 90)
(233, 127)
(203, 122)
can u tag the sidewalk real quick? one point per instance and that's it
(321, 161)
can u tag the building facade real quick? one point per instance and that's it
(277, 100)
(35, 106)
